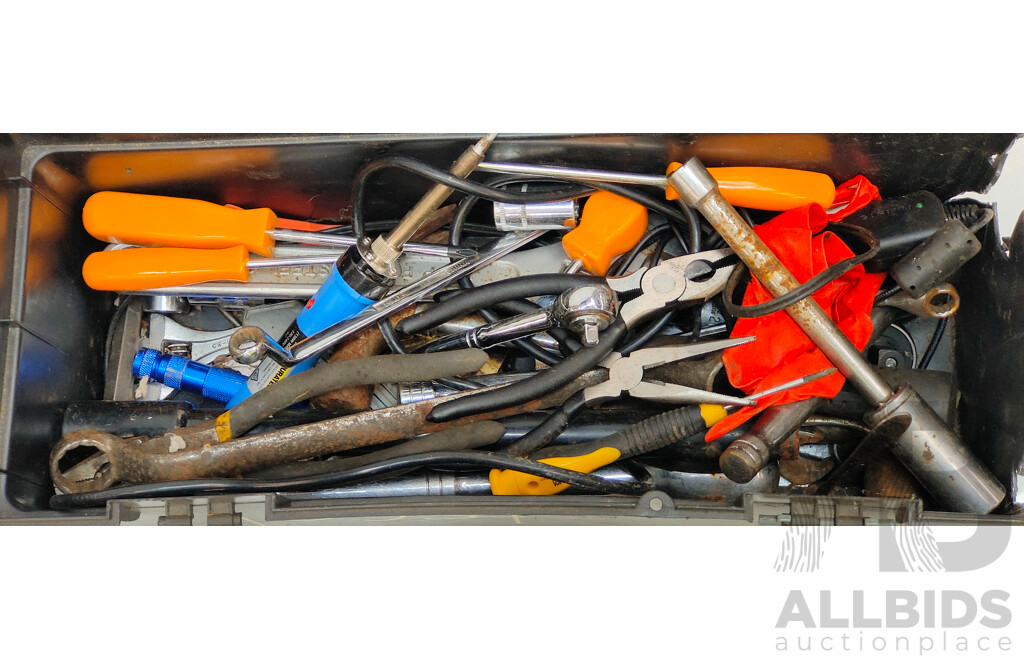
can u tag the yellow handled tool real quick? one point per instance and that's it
(641, 438)
(134, 269)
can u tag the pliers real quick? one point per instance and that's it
(693, 277)
(626, 375)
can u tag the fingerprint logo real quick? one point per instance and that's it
(802, 549)
(910, 548)
(918, 548)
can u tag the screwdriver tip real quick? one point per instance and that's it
(484, 144)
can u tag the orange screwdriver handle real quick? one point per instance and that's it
(609, 225)
(768, 188)
(153, 220)
(133, 269)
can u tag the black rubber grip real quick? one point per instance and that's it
(470, 301)
(536, 386)
(641, 438)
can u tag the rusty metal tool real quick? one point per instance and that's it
(174, 457)
(928, 447)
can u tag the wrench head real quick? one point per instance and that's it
(90, 474)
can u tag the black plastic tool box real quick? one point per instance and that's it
(53, 329)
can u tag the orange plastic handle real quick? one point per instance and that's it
(768, 188)
(153, 220)
(610, 225)
(132, 269)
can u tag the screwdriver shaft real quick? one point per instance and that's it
(318, 238)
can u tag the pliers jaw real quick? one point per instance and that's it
(686, 278)
(626, 375)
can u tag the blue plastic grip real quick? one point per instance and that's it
(333, 302)
(177, 372)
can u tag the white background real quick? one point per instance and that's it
(448, 66)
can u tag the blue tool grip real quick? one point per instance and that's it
(183, 374)
(333, 302)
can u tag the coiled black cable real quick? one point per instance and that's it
(974, 216)
(378, 470)
(885, 294)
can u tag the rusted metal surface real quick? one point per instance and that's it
(434, 221)
(130, 461)
(940, 302)
(364, 343)
(885, 476)
(801, 470)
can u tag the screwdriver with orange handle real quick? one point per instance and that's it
(643, 437)
(158, 221)
(609, 225)
(764, 188)
(136, 269)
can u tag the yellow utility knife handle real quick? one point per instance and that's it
(511, 482)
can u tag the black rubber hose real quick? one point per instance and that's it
(933, 344)
(623, 262)
(887, 293)
(202, 487)
(459, 438)
(349, 373)
(455, 183)
(646, 335)
(680, 213)
(536, 386)
(472, 300)
(395, 344)
(545, 432)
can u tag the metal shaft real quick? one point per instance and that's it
(319, 238)
(698, 188)
(576, 174)
(387, 249)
